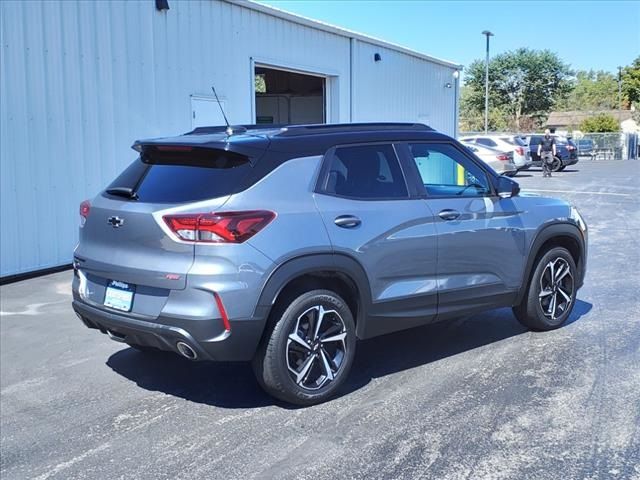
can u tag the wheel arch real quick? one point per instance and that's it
(337, 272)
(560, 234)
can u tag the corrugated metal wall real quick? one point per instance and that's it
(401, 87)
(80, 81)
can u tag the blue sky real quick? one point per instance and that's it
(596, 35)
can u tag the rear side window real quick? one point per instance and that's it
(365, 172)
(534, 141)
(180, 176)
(487, 142)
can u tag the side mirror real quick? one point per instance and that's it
(507, 188)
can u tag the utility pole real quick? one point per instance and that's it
(488, 34)
(620, 87)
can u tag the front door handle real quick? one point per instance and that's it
(347, 221)
(449, 214)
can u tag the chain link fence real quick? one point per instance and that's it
(595, 146)
(608, 146)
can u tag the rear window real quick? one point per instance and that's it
(515, 141)
(179, 176)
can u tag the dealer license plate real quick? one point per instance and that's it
(119, 295)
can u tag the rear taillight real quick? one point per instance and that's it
(520, 150)
(502, 157)
(85, 208)
(223, 227)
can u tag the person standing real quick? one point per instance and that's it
(547, 152)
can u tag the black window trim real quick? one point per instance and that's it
(323, 177)
(417, 179)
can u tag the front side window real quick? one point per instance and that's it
(365, 172)
(445, 171)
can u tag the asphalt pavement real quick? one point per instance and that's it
(474, 398)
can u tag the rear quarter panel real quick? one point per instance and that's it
(241, 271)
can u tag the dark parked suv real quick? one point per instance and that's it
(566, 152)
(284, 246)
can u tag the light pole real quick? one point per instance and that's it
(620, 88)
(488, 34)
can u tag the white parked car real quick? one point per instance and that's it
(505, 143)
(501, 162)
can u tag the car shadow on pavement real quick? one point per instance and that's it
(232, 385)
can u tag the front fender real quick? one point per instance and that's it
(564, 228)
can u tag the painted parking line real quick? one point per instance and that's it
(577, 191)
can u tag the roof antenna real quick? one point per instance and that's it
(229, 130)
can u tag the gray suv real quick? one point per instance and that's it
(284, 246)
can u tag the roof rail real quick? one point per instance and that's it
(235, 128)
(295, 130)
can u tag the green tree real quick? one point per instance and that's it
(472, 119)
(600, 123)
(522, 82)
(631, 82)
(591, 90)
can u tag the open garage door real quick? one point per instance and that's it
(284, 97)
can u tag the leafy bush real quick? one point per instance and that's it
(599, 124)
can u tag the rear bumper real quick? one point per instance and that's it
(525, 166)
(164, 333)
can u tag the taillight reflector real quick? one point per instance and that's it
(502, 157)
(223, 227)
(223, 312)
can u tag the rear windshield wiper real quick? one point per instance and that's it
(125, 192)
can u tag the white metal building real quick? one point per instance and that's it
(80, 81)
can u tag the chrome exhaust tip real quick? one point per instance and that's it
(186, 351)
(115, 336)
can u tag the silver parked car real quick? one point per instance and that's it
(505, 143)
(284, 246)
(501, 162)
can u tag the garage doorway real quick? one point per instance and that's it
(289, 98)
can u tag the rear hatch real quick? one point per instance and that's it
(124, 243)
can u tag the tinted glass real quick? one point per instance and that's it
(368, 171)
(446, 171)
(486, 141)
(180, 179)
(534, 141)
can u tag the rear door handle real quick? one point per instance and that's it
(449, 214)
(347, 221)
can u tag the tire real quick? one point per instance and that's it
(536, 310)
(562, 168)
(295, 371)
(556, 165)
